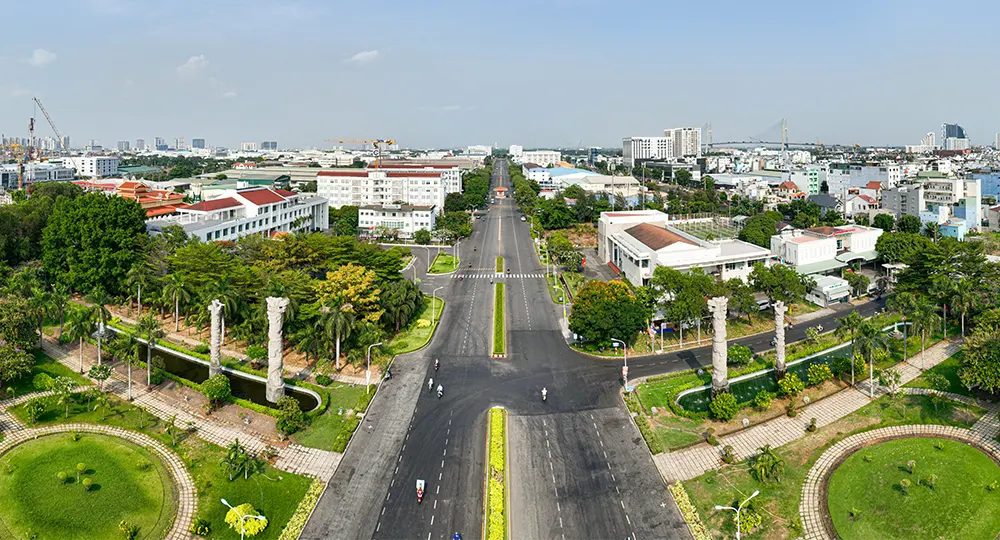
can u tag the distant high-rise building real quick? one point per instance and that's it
(592, 155)
(996, 144)
(638, 148)
(123, 146)
(952, 130)
(197, 143)
(159, 144)
(64, 143)
(140, 144)
(179, 143)
(269, 145)
(248, 146)
(686, 140)
(954, 138)
(515, 151)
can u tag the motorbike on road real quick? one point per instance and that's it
(420, 491)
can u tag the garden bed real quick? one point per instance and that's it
(499, 321)
(444, 264)
(496, 476)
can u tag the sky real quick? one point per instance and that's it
(542, 73)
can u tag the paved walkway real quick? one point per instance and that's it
(695, 461)
(293, 458)
(813, 507)
(187, 498)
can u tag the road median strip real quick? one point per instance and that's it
(496, 477)
(499, 326)
(499, 264)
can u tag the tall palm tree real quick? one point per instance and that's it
(40, 303)
(178, 288)
(310, 339)
(849, 325)
(964, 298)
(80, 324)
(60, 299)
(127, 349)
(902, 303)
(222, 290)
(139, 277)
(338, 322)
(149, 329)
(942, 289)
(869, 338)
(925, 318)
(99, 297)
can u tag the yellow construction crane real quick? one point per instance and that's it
(376, 145)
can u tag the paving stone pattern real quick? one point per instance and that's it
(813, 508)
(187, 499)
(695, 461)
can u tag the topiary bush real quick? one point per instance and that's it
(249, 526)
(87, 484)
(216, 389)
(62, 476)
(818, 374)
(791, 385)
(724, 406)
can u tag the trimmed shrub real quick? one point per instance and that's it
(248, 526)
(739, 355)
(290, 415)
(724, 406)
(818, 374)
(216, 389)
(62, 476)
(763, 400)
(87, 484)
(791, 385)
(201, 348)
(201, 527)
(128, 530)
(42, 382)
(647, 435)
(728, 454)
(325, 380)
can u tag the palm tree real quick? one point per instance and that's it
(943, 289)
(127, 349)
(178, 288)
(60, 299)
(99, 297)
(925, 318)
(310, 339)
(869, 337)
(40, 303)
(139, 277)
(902, 303)
(150, 330)
(80, 324)
(338, 323)
(849, 325)
(222, 290)
(964, 298)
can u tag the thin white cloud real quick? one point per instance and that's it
(449, 108)
(14, 91)
(41, 57)
(363, 57)
(193, 66)
(229, 95)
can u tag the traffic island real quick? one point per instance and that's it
(499, 323)
(496, 526)
(499, 264)
(444, 264)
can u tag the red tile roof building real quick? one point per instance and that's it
(156, 202)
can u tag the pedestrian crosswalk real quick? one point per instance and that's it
(496, 275)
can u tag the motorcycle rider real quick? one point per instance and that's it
(430, 384)
(440, 390)
(544, 393)
(436, 364)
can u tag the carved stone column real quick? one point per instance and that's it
(275, 347)
(779, 344)
(215, 367)
(720, 352)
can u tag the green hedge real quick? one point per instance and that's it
(647, 433)
(351, 424)
(496, 493)
(499, 335)
(298, 520)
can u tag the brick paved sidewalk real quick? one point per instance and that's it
(812, 507)
(187, 499)
(695, 461)
(293, 458)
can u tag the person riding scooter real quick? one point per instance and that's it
(430, 384)
(440, 391)
(545, 393)
(436, 364)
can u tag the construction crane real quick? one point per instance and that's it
(51, 123)
(376, 145)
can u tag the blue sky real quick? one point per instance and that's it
(538, 73)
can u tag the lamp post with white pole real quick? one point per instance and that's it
(242, 517)
(433, 306)
(738, 510)
(368, 368)
(615, 342)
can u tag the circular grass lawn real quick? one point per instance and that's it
(958, 506)
(34, 499)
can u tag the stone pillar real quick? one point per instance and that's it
(779, 343)
(275, 347)
(215, 367)
(720, 352)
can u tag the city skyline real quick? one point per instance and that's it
(452, 74)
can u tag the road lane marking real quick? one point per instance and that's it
(435, 504)
(438, 490)
(383, 510)
(432, 519)
(613, 477)
(439, 476)
(442, 463)
(392, 484)
(378, 526)
(595, 425)
(605, 455)
(396, 471)
(627, 519)
(446, 442)
(550, 454)
(558, 509)
(560, 522)
(386, 496)
(623, 504)
(445, 452)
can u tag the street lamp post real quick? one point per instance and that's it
(738, 510)
(433, 306)
(242, 517)
(428, 248)
(615, 342)
(368, 368)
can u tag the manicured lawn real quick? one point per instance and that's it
(444, 263)
(958, 506)
(273, 492)
(778, 503)
(674, 432)
(575, 281)
(499, 267)
(36, 501)
(325, 429)
(43, 364)
(948, 368)
(499, 334)
(420, 330)
(555, 289)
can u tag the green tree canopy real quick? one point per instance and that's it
(895, 247)
(605, 310)
(780, 282)
(909, 224)
(759, 230)
(885, 222)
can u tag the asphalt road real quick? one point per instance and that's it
(578, 466)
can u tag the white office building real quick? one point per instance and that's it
(541, 157)
(821, 250)
(841, 177)
(926, 146)
(248, 146)
(634, 148)
(403, 219)
(241, 212)
(93, 166)
(479, 150)
(687, 141)
(516, 151)
(418, 186)
(636, 242)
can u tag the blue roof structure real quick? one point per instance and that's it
(562, 171)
